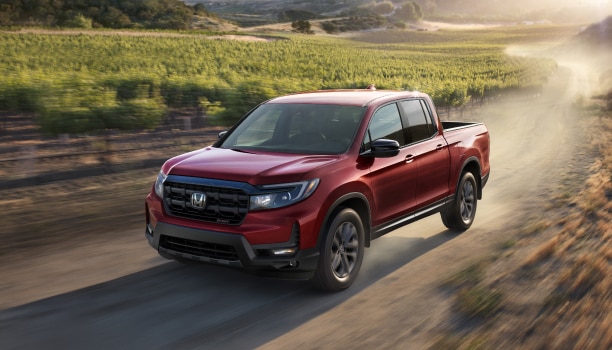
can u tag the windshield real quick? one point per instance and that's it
(297, 128)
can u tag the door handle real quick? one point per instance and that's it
(439, 147)
(409, 158)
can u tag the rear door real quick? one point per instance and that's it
(393, 179)
(430, 152)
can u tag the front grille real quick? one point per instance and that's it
(223, 205)
(202, 249)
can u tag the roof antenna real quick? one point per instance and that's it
(371, 87)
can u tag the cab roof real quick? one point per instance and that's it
(356, 97)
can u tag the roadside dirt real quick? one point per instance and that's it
(110, 289)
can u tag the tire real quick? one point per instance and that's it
(341, 252)
(460, 214)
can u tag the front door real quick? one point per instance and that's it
(393, 179)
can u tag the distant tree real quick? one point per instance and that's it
(114, 18)
(418, 11)
(429, 6)
(355, 23)
(409, 11)
(329, 27)
(383, 8)
(200, 9)
(302, 27)
(8, 11)
(171, 14)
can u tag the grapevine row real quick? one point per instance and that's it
(78, 82)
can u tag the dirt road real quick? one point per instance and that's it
(119, 294)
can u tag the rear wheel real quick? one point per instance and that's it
(460, 214)
(341, 252)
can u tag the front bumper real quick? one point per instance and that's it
(229, 249)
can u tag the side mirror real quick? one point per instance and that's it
(222, 133)
(383, 148)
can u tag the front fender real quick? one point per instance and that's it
(356, 201)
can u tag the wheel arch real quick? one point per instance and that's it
(356, 201)
(472, 164)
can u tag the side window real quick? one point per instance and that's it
(433, 127)
(419, 126)
(386, 123)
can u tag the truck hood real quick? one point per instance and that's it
(255, 168)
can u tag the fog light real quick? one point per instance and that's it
(284, 251)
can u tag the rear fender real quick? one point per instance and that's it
(471, 164)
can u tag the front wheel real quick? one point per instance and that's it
(460, 214)
(341, 252)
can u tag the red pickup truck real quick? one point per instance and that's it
(304, 182)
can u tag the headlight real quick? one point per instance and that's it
(159, 184)
(282, 195)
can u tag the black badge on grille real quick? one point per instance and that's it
(198, 200)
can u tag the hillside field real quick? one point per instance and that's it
(73, 80)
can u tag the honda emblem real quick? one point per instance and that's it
(198, 200)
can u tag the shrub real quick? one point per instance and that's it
(78, 21)
(302, 27)
(81, 108)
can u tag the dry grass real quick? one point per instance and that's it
(537, 227)
(565, 301)
(479, 301)
(594, 197)
(469, 276)
(578, 314)
(543, 252)
(472, 299)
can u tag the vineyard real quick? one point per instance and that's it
(98, 90)
(85, 82)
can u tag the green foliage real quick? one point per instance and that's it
(20, 93)
(409, 11)
(78, 21)
(77, 83)
(80, 107)
(354, 24)
(138, 113)
(213, 109)
(302, 27)
(330, 27)
(163, 14)
(451, 95)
